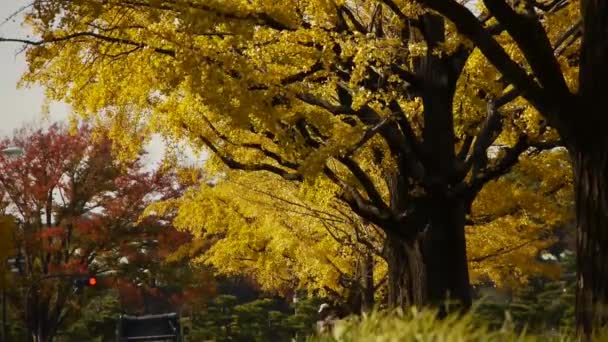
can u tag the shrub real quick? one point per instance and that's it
(423, 326)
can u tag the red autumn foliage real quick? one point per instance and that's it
(79, 211)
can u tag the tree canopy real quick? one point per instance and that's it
(576, 110)
(78, 212)
(381, 104)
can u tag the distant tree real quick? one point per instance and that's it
(97, 321)
(227, 318)
(79, 213)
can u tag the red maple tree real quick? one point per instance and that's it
(79, 211)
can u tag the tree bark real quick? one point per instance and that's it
(588, 147)
(427, 263)
(407, 283)
(367, 282)
(445, 253)
(42, 326)
(591, 191)
(431, 268)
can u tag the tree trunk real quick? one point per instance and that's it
(43, 338)
(445, 253)
(42, 327)
(367, 282)
(432, 268)
(588, 148)
(591, 191)
(406, 273)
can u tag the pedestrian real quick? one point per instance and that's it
(327, 318)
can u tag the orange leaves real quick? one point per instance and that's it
(52, 233)
(51, 238)
(169, 239)
(79, 209)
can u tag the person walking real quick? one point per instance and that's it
(327, 318)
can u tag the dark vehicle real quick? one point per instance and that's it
(167, 327)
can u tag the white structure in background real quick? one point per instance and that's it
(12, 151)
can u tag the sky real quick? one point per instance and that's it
(19, 106)
(23, 106)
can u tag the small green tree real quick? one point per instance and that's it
(97, 321)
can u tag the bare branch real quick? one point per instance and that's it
(16, 13)
(109, 39)
(234, 164)
(315, 101)
(369, 133)
(407, 76)
(395, 9)
(466, 146)
(485, 219)
(503, 251)
(365, 180)
(509, 160)
(569, 37)
(473, 29)
(345, 12)
(532, 39)
(488, 133)
(551, 6)
(255, 146)
(298, 77)
(354, 199)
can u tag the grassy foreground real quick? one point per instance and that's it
(424, 326)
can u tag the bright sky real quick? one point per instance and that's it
(19, 106)
(23, 106)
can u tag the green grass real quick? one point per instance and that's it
(424, 326)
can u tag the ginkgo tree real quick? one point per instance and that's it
(514, 220)
(290, 237)
(260, 226)
(379, 103)
(569, 91)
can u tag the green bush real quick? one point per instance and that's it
(264, 319)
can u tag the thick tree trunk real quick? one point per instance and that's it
(445, 253)
(432, 268)
(42, 338)
(427, 262)
(591, 191)
(588, 146)
(406, 273)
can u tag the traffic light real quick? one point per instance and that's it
(85, 281)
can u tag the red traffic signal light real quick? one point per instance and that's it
(85, 281)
